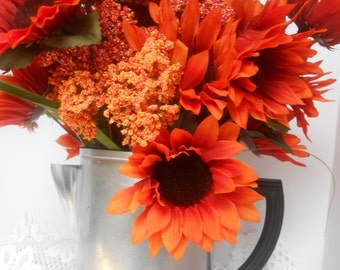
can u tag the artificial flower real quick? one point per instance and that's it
(26, 22)
(180, 83)
(146, 87)
(273, 67)
(189, 181)
(267, 147)
(70, 143)
(321, 15)
(197, 36)
(264, 140)
(17, 111)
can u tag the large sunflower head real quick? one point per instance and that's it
(274, 66)
(189, 180)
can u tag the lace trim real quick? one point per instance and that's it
(30, 248)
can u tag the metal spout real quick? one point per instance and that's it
(65, 178)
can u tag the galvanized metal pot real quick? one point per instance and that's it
(104, 241)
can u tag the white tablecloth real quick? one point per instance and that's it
(31, 247)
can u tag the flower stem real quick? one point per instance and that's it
(19, 92)
(106, 141)
(51, 107)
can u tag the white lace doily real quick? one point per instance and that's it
(31, 248)
(280, 259)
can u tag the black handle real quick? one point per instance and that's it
(272, 190)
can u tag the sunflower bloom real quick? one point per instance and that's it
(25, 22)
(321, 15)
(197, 35)
(189, 181)
(274, 64)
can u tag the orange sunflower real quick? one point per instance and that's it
(189, 181)
(25, 22)
(196, 37)
(320, 15)
(274, 66)
(16, 111)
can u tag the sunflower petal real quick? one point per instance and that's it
(249, 212)
(209, 30)
(122, 201)
(228, 212)
(131, 170)
(155, 244)
(168, 21)
(211, 226)
(192, 219)
(139, 230)
(147, 163)
(223, 183)
(179, 137)
(172, 234)
(178, 252)
(190, 22)
(245, 195)
(180, 53)
(158, 218)
(229, 235)
(154, 11)
(134, 35)
(190, 101)
(195, 70)
(229, 131)
(206, 243)
(222, 150)
(206, 133)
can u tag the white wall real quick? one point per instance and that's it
(26, 185)
(331, 259)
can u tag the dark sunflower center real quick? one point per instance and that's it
(27, 9)
(184, 180)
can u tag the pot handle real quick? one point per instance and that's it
(272, 190)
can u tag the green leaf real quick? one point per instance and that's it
(106, 141)
(272, 135)
(278, 140)
(277, 126)
(19, 57)
(247, 138)
(85, 30)
(19, 92)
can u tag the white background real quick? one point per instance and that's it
(26, 186)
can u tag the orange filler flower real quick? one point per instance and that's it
(189, 181)
(141, 92)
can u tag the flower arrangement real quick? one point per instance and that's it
(186, 85)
